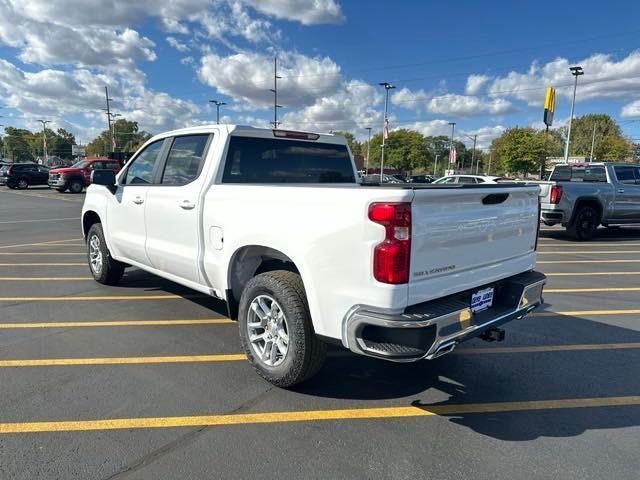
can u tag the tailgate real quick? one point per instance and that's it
(467, 237)
(545, 191)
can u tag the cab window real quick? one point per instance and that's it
(185, 159)
(140, 171)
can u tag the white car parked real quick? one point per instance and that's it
(467, 179)
(275, 223)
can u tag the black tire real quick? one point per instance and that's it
(306, 352)
(22, 184)
(111, 270)
(75, 185)
(585, 223)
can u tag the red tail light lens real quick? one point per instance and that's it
(556, 194)
(391, 257)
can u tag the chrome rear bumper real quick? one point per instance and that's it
(431, 329)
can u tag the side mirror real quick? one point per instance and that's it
(104, 177)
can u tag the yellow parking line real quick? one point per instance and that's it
(583, 274)
(591, 290)
(52, 242)
(167, 296)
(232, 357)
(43, 279)
(42, 253)
(56, 264)
(118, 323)
(315, 415)
(48, 362)
(560, 262)
(587, 312)
(588, 252)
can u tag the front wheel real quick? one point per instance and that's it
(76, 186)
(276, 330)
(104, 269)
(584, 224)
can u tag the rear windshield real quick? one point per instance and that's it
(571, 173)
(266, 160)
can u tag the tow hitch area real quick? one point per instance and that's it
(493, 335)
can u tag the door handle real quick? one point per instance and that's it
(187, 204)
(138, 200)
(621, 190)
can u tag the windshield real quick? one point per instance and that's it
(80, 164)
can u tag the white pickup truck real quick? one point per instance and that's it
(277, 224)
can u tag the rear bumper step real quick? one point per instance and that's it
(432, 329)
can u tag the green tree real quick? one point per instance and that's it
(582, 134)
(59, 143)
(21, 144)
(405, 150)
(127, 135)
(523, 150)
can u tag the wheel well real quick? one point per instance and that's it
(592, 202)
(88, 220)
(248, 262)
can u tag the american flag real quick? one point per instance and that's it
(385, 130)
(452, 155)
(113, 142)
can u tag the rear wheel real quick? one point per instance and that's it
(104, 269)
(22, 184)
(276, 330)
(585, 223)
(76, 186)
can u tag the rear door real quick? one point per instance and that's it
(468, 236)
(174, 208)
(626, 208)
(42, 175)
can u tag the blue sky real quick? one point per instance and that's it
(483, 65)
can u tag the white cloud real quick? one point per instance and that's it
(475, 84)
(177, 44)
(466, 106)
(631, 109)
(605, 77)
(307, 12)
(429, 127)
(354, 106)
(410, 99)
(248, 77)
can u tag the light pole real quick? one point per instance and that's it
(435, 165)
(593, 141)
(366, 167)
(218, 104)
(453, 127)
(385, 126)
(44, 139)
(576, 72)
(473, 152)
(113, 116)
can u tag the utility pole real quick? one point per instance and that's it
(435, 166)
(593, 141)
(218, 104)
(490, 157)
(385, 126)
(453, 127)
(108, 110)
(275, 93)
(473, 152)
(576, 72)
(366, 167)
(44, 139)
(114, 145)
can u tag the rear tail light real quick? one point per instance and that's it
(556, 194)
(391, 257)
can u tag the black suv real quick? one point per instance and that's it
(21, 175)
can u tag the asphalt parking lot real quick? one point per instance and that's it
(146, 380)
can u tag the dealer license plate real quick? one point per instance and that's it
(482, 299)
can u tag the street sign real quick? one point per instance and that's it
(549, 106)
(78, 150)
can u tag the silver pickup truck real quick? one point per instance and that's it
(582, 196)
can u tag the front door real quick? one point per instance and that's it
(173, 209)
(627, 194)
(126, 208)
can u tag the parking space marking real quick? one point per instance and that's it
(587, 312)
(589, 252)
(43, 253)
(369, 413)
(43, 279)
(233, 357)
(47, 197)
(583, 274)
(165, 296)
(119, 323)
(62, 264)
(38, 244)
(592, 290)
(75, 219)
(561, 262)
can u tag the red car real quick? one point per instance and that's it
(78, 176)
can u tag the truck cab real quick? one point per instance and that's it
(78, 176)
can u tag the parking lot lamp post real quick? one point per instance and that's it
(44, 139)
(366, 166)
(473, 152)
(218, 104)
(385, 127)
(453, 126)
(435, 166)
(576, 72)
